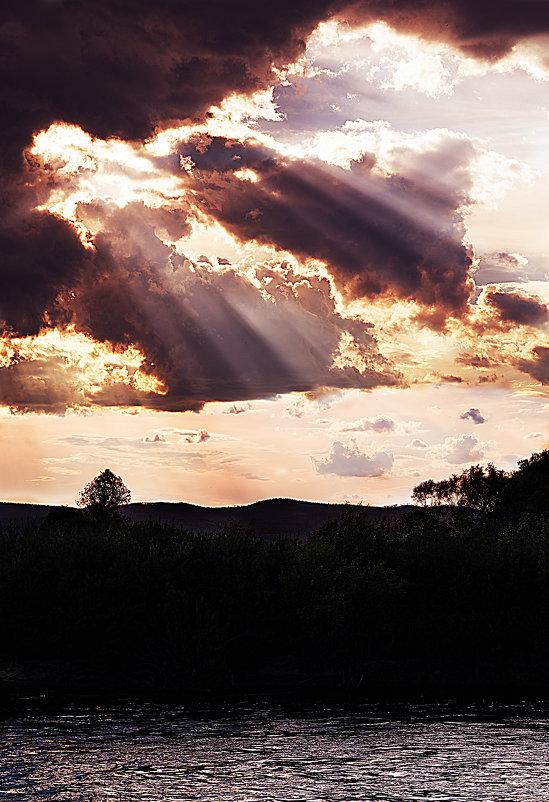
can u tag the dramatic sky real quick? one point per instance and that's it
(251, 251)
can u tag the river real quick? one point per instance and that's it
(270, 751)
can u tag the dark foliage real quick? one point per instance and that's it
(491, 490)
(165, 607)
(104, 495)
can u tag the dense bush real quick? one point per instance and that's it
(184, 607)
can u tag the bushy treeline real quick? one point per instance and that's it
(168, 607)
(488, 489)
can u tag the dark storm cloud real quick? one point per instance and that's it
(207, 334)
(116, 68)
(379, 235)
(121, 67)
(480, 28)
(538, 365)
(509, 309)
(38, 254)
(126, 67)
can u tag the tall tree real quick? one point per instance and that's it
(104, 495)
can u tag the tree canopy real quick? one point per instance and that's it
(488, 489)
(104, 494)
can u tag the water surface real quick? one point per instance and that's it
(273, 751)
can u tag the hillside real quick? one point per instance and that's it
(268, 519)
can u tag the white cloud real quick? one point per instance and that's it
(380, 425)
(349, 461)
(417, 444)
(463, 448)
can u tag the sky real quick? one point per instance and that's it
(253, 252)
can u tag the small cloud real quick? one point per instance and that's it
(222, 261)
(157, 438)
(194, 437)
(488, 379)
(296, 409)
(349, 461)
(379, 425)
(199, 437)
(474, 415)
(458, 449)
(473, 360)
(237, 409)
(533, 435)
(448, 379)
(417, 444)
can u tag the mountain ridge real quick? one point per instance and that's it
(267, 518)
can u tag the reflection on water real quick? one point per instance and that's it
(268, 751)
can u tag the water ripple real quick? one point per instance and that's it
(262, 753)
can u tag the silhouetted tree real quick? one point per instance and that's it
(424, 492)
(104, 495)
(478, 488)
(528, 489)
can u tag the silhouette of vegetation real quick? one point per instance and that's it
(488, 490)
(103, 496)
(477, 487)
(431, 602)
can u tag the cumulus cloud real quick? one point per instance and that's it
(380, 425)
(156, 438)
(463, 448)
(350, 461)
(417, 444)
(474, 415)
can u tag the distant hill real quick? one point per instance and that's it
(267, 519)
